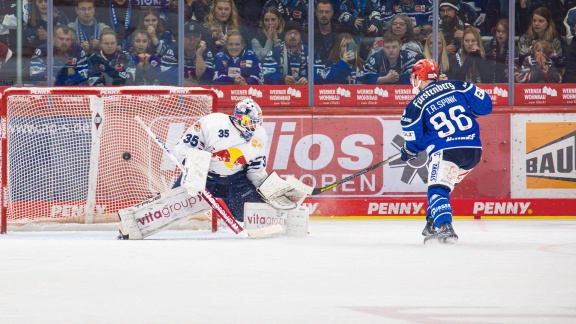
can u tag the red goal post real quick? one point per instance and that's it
(77, 155)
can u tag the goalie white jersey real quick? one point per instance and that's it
(231, 153)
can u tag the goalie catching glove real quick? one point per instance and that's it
(283, 194)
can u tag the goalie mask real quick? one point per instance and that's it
(247, 117)
(421, 71)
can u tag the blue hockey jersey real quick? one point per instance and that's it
(190, 68)
(341, 73)
(279, 62)
(108, 70)
(378, 65)
(228, 68)
(419, 11)
(442, 116)
(74, 58)
(369, 10)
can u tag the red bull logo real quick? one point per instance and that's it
(231, 157)
(197, 126)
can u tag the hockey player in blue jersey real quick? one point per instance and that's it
(441, 119)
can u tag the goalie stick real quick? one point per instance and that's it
(219, 209)
(393, 158)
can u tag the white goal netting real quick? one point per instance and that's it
(77, 155)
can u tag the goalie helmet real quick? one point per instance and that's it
(247, 117)
(423, 70)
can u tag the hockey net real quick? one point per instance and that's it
(77, 155)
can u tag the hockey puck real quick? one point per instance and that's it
(126, 156)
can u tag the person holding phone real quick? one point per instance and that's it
(343, 65)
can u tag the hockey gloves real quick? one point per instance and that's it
(407, 154)
(283, 194)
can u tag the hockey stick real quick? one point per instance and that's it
(393, 158)
(207, 195)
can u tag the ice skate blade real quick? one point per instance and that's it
(437, 240)
(450, 240)
(426, 233)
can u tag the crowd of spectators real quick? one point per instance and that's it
(239, 42)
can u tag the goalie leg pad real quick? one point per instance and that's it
(297, 222)
(196, 171)
(128, 225)
(157, 213)
(259, 215)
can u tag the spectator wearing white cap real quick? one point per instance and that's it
(451, 26)
(464, 11)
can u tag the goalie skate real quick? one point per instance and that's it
(445, 234)
(121, 236)
(122, 230)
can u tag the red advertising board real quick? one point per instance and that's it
(362, 95)
(334, 95)
(478, 208)
(548, 94)
(265, 95)
(384, 95)
(320, 150)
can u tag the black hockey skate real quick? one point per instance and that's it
(445, 234)
(122, 236)
(429, 229)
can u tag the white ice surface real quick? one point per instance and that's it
(343, 272)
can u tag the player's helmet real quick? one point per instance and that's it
(425, 69)
(421, 71)
(247, 117)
